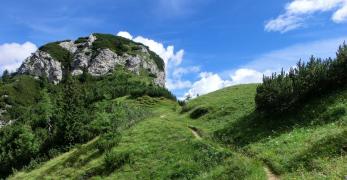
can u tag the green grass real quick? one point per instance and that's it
(159, 147)
(224, 106)
(236, 142)
(310, 143)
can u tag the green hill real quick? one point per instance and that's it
(117, 121)
(231, 141)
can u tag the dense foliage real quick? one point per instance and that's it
(49, 118)
(285, 91)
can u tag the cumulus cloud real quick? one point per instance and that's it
(13, 54)
(297, 12)
(246, 76)
(175, 84)
(125, 35)
(210, 82)
(180, 71)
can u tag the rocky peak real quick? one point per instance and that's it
(99, 54)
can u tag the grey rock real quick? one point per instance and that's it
(98, 64)
(104, 62)
(69, 45)
(41, 64)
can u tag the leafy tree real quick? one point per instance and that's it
(18, 145)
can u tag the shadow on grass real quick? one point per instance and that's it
(329, 147)
(75, 158)
(256, 126)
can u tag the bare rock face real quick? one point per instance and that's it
(41, 64)
(97, 62)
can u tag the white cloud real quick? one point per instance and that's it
(13, 54)
(125, 35)
(284, 23)
(298, 11)
(180, 71)
(246, 76)
(340, 15)
(175, 84)
(208, 82)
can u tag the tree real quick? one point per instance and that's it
(6, 76)
(71, 125)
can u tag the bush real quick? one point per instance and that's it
(107, 141)
(114, 159)
(81, 40)
(182, 103)
(18, 145)
(198, 112)
(285, 91)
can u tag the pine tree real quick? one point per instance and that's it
(6, 76)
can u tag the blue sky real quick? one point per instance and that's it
(216, 43)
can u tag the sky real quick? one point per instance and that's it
(206, 44)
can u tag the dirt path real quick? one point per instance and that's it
(195, 132)
(270, 175)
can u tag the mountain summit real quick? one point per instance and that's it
(97, 54)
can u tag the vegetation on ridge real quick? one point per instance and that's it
(58, 53)
(51, 118)
(285, 91)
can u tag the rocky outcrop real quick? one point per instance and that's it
(97, 62)
(41, 64)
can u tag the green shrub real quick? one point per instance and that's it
(198, 112)
(81, 40)
(183, 170)
(182, 103)
(107, 141)
(18, 146)
(115, 159)
(285, 91)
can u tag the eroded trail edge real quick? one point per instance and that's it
(270, 175)
(195, 132)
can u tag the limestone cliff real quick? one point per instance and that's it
(97, 54)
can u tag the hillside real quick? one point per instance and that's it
(159, 147)
(56, 100)
(231, 142)
(97, 108)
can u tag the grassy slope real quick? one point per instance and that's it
(310, 144)
(160, 147)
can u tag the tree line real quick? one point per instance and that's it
(285, 91)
